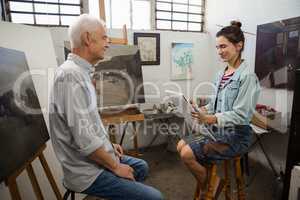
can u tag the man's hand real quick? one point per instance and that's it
(124, 171)
(118, 150)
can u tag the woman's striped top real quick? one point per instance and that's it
(224, 79)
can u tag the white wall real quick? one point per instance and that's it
(252, 13)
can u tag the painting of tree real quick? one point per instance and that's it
(182, 61)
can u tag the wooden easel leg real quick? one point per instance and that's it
(50, 176)
(123, 133)
(13, 189)
(34, 182)
(112, 133)
(135, 139)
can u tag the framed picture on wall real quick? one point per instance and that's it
(149, 46)
(182, 60)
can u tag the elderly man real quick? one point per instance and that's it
(90, 163)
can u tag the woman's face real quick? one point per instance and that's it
(227, 50)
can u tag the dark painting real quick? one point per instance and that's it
(22, 127)
(119, 79)
(278, 53)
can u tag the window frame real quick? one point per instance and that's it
(129, 26)
(201, 13)
(8, 11)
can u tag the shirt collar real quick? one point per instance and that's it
(239, 70)
(81, 62)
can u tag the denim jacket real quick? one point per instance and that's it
(234, 103)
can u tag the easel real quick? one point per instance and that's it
(131, 115)
(12, 184)
(112, 40)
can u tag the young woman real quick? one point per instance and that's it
(229, 113)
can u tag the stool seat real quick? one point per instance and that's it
(224, 184)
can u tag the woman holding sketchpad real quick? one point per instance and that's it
(229, 113)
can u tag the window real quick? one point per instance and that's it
(43, 12)
(179, 15)
(136, 14)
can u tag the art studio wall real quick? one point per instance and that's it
(160, 74)
(252, 13)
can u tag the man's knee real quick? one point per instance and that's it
(153, 194)
(144, 167)
(141, 171)
(158, 196)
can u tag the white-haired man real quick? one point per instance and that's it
(90, 163)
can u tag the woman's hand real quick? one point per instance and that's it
(199, 116)
(203, 109)
(203, 118)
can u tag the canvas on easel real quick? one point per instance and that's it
(23, 131)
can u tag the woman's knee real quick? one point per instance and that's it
(180, 145)
(187, 154)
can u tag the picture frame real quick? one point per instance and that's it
(182, 61)
(149, 46)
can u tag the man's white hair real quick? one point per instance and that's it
(84, 23)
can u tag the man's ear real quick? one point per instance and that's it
(86, 39)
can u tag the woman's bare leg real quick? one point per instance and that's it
(180, 145)
(199, 171)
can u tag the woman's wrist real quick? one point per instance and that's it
(210, 119)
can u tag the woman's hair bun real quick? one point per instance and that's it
(236, 23)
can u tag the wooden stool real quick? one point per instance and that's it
(68, 193)
(212, 181)
(72, 193)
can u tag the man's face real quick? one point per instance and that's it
(98, 45)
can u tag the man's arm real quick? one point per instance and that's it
(101, 157)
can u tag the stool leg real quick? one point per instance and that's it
(227, 188)
(66, 195)
(239, 179)
(211, 182)
(197, 192)
(72, 195)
